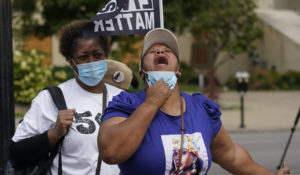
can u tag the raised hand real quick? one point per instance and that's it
(63, 122)
(284, 170)
(158, 93)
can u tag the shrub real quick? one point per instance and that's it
(264, 80)
(289, 80)
(30, 75)
(270, 80)
(62, 73)
(188, 75)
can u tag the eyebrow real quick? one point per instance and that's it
(164, 47)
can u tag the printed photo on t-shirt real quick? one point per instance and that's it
(194, 154)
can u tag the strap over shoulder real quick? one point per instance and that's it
(59, 100)
(57, 96)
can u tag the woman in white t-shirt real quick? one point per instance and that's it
(43, 125)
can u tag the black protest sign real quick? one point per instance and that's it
(123, 17)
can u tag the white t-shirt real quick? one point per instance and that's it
(79, 150)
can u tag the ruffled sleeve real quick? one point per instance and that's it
(121, 106)
(213, 111)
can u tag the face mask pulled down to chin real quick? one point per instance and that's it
(167, 76)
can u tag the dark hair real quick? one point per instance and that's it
(71, 35)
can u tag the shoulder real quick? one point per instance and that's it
(130, 99)
(212, 109)
(42, 96)
(123, 104)
(65, 86)
(209, 105)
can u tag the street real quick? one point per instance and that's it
(266, 148)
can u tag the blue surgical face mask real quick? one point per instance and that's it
(91, 73)
(168, 76)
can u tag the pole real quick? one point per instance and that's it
(242, 109)
(7, 121)
(289, 140)
(201, 83)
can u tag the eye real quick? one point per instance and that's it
(151, 52)
(98, 55)
(82, 57)
(167, 50)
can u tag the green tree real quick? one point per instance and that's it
(43, 18)
(224, 25)
(53, 14)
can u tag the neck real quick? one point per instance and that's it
(95, 89)
(172, 105)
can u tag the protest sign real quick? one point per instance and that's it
(123, 17)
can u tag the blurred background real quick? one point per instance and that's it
(217, 39)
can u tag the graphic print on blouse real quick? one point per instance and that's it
(85, 123)
(194, 155)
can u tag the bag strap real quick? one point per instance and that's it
(59, 100)
(57, 97)
(104, 104)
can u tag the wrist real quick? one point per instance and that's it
(53, 136)
(152, 104)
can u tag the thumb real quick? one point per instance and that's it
(73, 110)
(283, 171)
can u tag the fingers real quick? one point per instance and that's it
(66, 116)
(159, 92)
(284, 170)
(64, 121)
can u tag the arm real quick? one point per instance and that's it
(29, 151)
(36, 148)
(235, 158)
(119, 137)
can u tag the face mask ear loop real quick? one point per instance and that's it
(146, 78)
(76, 66)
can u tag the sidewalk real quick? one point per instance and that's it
(264, 111)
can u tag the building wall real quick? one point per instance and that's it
(280, 47)
(287, 4)
(43, 45)
(279, 4)
(185, 42)
(238, 63)
(57, 58)
(265, 4)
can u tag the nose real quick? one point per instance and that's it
(160, 52)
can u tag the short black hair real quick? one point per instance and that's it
(71, 34)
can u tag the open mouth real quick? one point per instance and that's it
(161, 60)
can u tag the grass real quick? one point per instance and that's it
(188, 88)
(19, 114)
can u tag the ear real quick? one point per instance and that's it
(178, 73)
